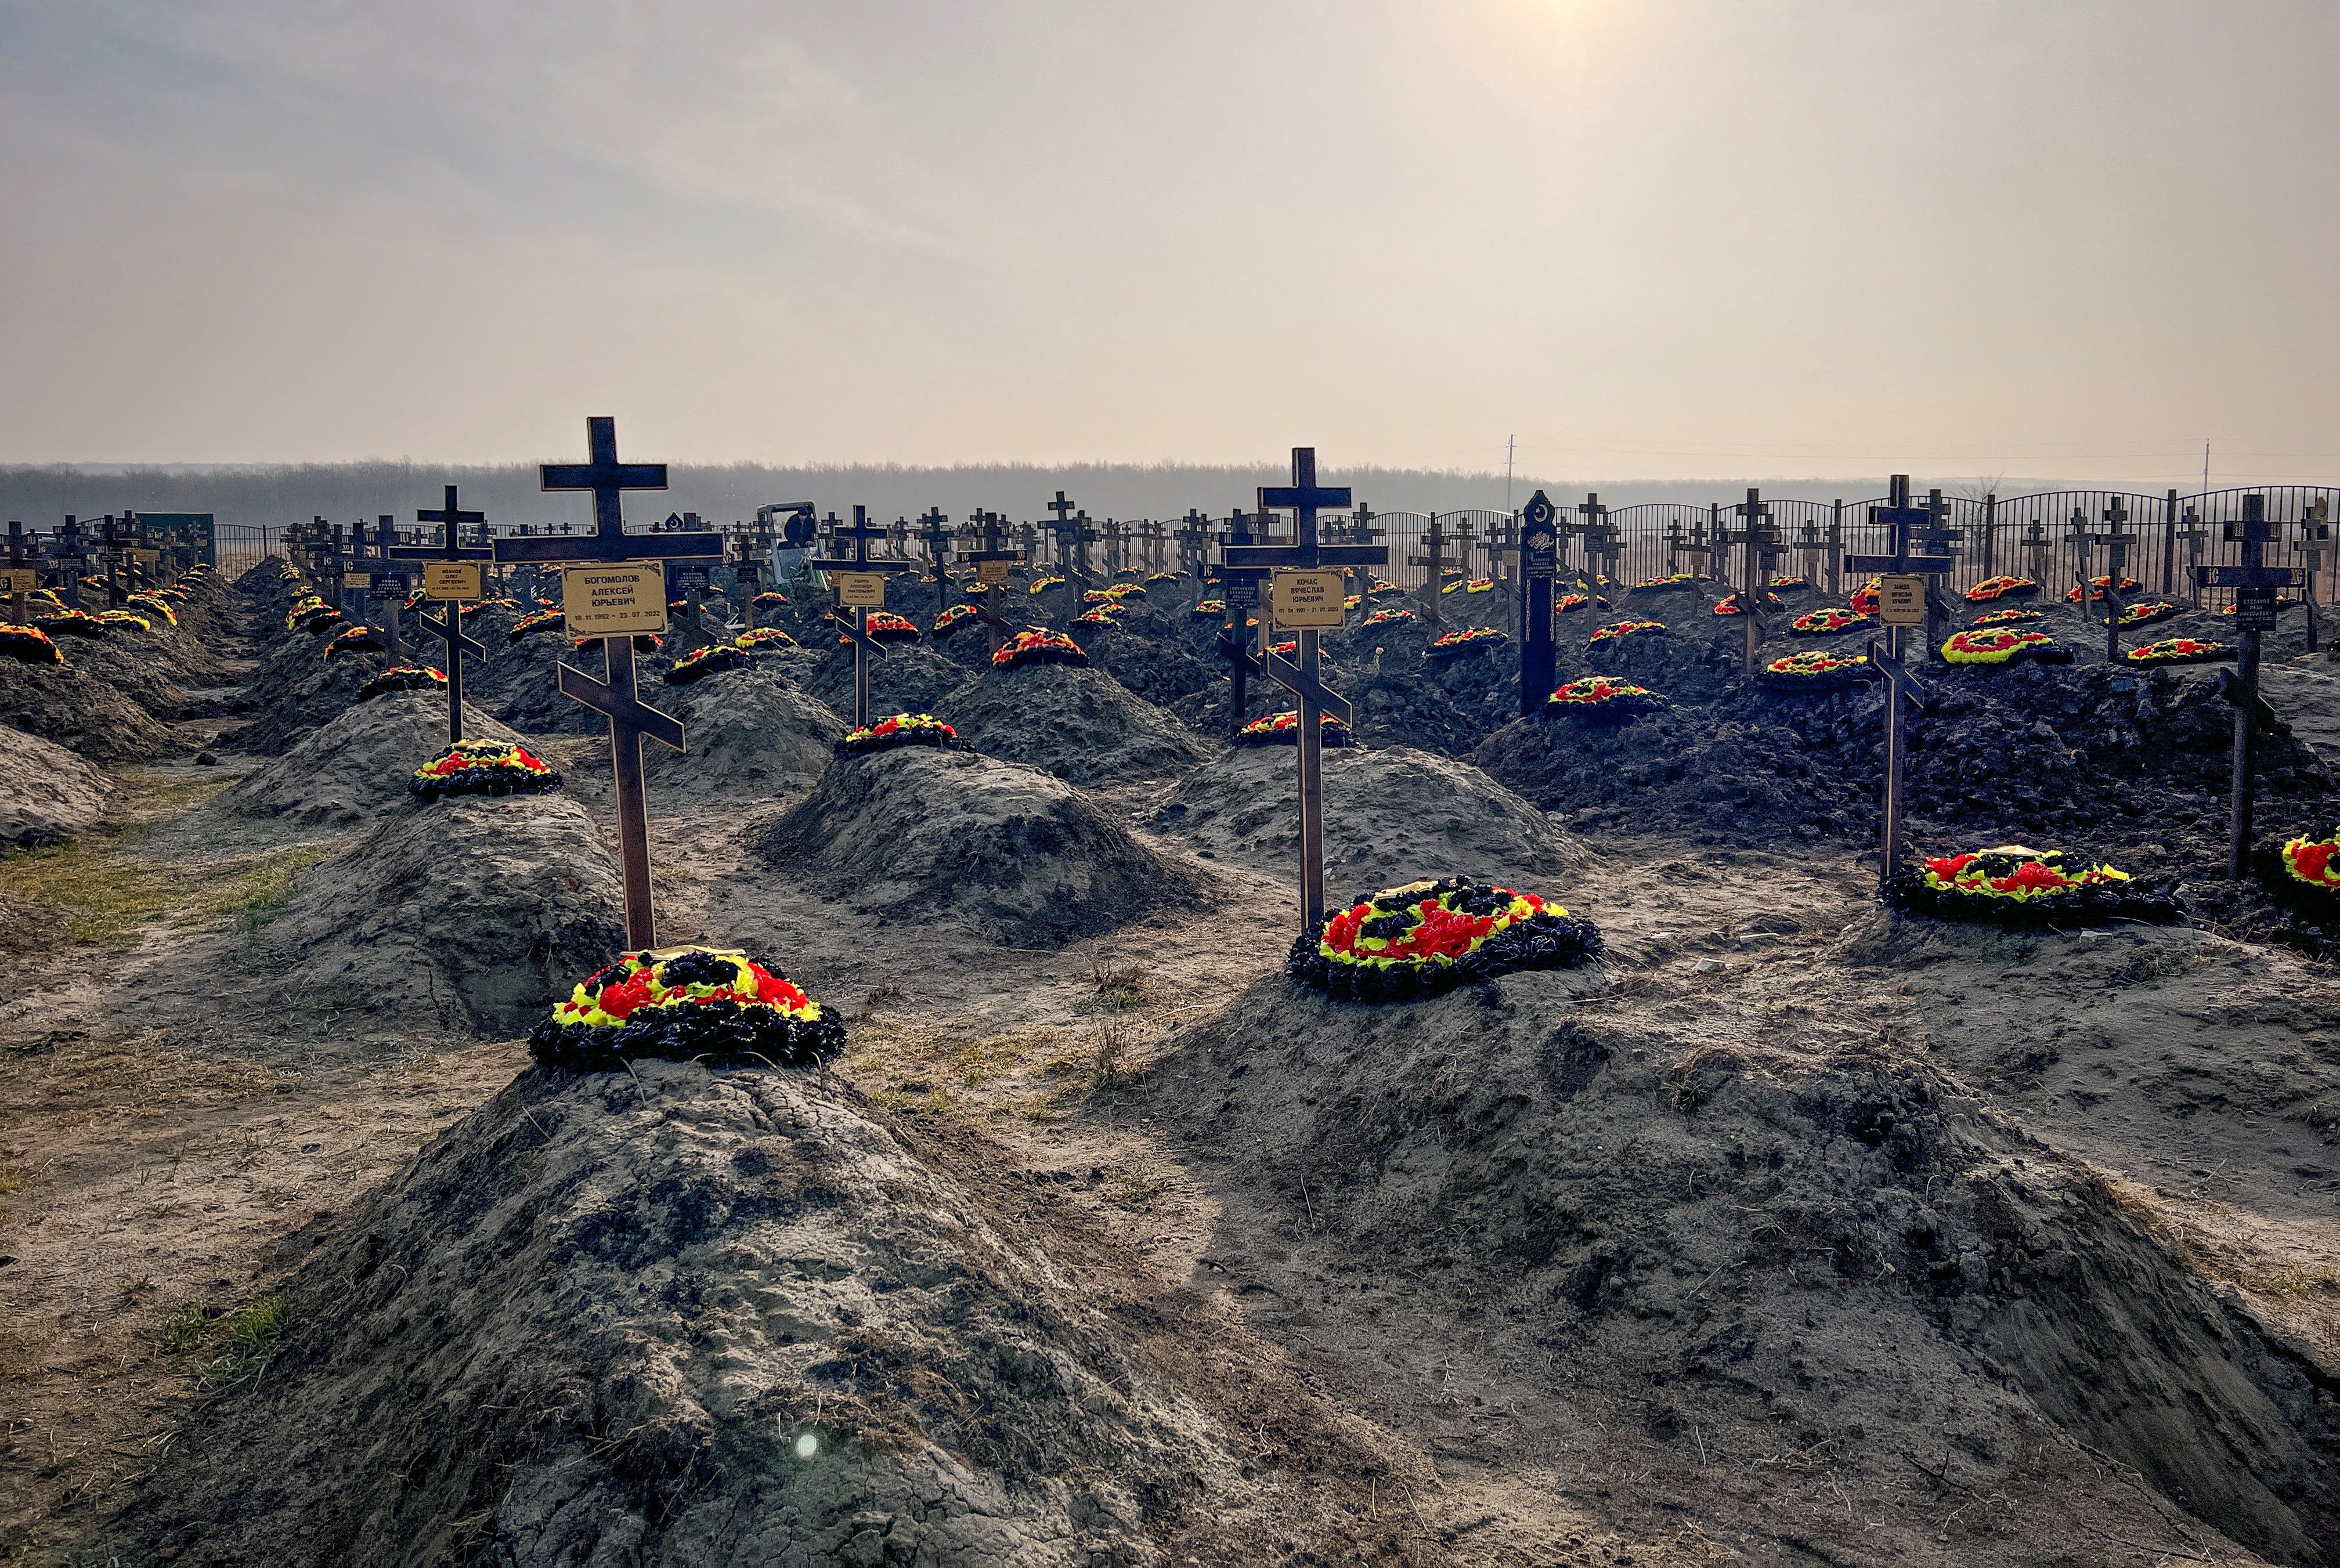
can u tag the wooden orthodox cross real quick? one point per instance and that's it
(992, 562)
(1599, 540)
(72, 559)
(1435, 542)
(1193, 548)
(1539, 562)
(1239, 641)
(388, 581)
(1906, 524)
(860, 585)
(1156, 537)
(2315, 536)
(453, 595)
(2116, 542)
(616, 694)
(1113, 534)
(20, 570)
(1759, 537)
(2076, 534)
(2256, 584)
(938, 541)
(1303, 559)
(1061, 531)
(1362, 532)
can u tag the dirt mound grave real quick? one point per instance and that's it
(296, 690)
(1081, 725)
(1011, 852)
(752, 733)
(1711, 1238)
(519, 683)
(1390, 816)
(353, 767)
(912, 678)
(745, 1318)
(47, 794)
(82, 712)
(481, 912)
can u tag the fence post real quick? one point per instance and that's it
(1836, 546)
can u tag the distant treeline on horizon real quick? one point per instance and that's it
(42, 495)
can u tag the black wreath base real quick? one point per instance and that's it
(723, 1034)
(1457, 649)
(1031, 656)
(1541, 941)
(2147, 902)
(1613, 710)
(869, 746)
(483, 782)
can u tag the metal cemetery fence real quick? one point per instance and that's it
(2055, 537)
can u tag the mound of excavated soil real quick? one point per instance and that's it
(752, 733)
(689, 1318)
(1144, 657)
(521, 683)
(1081, 725)
(913, 677)
(482, 911)
(1015, 854)
(296, 689)
(1390, 816)
(47, 795)
(1682, 1241)
(355, 767)
(81, 712)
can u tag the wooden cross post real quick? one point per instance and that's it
(1111, 534)
(1239, 645)
(1194, 538)
(19, 573)
(1759, 540)
(72, 559)
(2116, 542)
(1908, 525)
(1540, 561)
(860, 585)
(992, 562)
(2039, 547)
(1157, 538)
(1362, 532)
(1600, 543)
(2256, 584)
(1502, 542)
(448, 628)
(1083, 536)
(2076, 533)
(386, 582)
(938, 541)
(2195, 535)
(1061, 530)
(2316, 533)
(1434, 541)
(615, 694)
(1810, 548)
(1305, 559)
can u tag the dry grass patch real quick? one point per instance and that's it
(66, 1073)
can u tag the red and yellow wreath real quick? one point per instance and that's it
(1729, 603)
(483, 768)
(898, 730)
(403, 677)
(2014, 885)
(2006, 617)
(2313, 861)
(1600, 697)
(1997, 646)
(2181, 650)
(352, 640)
(1038, 645)
(28, 644)
(1041, 584)
(769, 601)
(1864, 598)
(1992, 588)
(1817, 670)
(1205, 608)
(129, 618)
(952, 619)
(2148, 611)
(1283, 729)
(885, 626)
(1391, 617)
(712, 660)
(1660, 584)
(1831, 622)
(2097, 586)
(763, 639)
(1466, 639)
(712, 1005)
(537, 621)
(1617, 632)
(1425, 938)
(71, 622)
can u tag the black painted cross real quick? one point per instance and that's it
(449, 629)
(387, 581)
(1083, 536)
(1304, 498)
(850, 619)
(937, 539)
(995, 547)
(1435, 541)
(1239, 641)
(1599, 539)
(1906, 523)
(1193, 548)
(616, 695)
(1062, 530)
(1538, 563)
(2256, 584)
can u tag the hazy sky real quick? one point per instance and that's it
(1650, 237)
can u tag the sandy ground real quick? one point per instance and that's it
(151, 1183)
